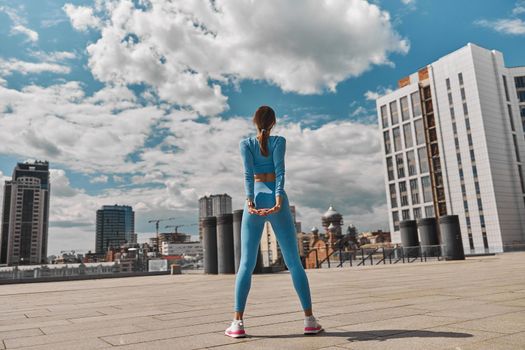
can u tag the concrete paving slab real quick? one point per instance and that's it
(436, 305)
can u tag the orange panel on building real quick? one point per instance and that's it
(423, 73)
(403, 82)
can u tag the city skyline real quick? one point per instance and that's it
(123, 128)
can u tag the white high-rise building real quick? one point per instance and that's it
(454, 144)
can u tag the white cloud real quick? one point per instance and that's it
(117, 178)
(54, 56)
(182, 48)
(512, 25)
(99, 179)
(61, 124)
(82, 17)
(24, 67)
(519, 8)
(408, 2)
(359, 111)
(374, 95)
(19, 24)
(30, 34)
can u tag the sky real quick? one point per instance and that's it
(144, 102)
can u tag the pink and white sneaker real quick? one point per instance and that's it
(311, 326)
(236, 329)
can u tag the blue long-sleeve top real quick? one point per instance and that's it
(255, 162)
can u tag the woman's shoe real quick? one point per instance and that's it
(311, 326)
(236, 329)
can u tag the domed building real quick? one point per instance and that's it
(332, 222)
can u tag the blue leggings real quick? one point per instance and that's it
(251, 231)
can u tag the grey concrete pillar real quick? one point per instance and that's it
(237, 221)
(428, 234)
(225, 253)
(451, 234)
(209, 244)
(409, 238)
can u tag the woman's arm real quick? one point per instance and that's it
(247, 160)
(278, 162)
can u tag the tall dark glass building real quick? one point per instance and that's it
(115, 226)
(25, 215)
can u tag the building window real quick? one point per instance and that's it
(450, 101)
(448, 83)
(393, 112)
(474, 171)
(423, 160)
(505, 86)
(405, 214)
(393, 196)
(411, 163)
(522, 183)
(407, 132)
(460, 78)
(522, 113)
(465, 108)
(429, 211)
(516, 147)
(417, 213)
(521, 96)
(388, 146)
(404, 108)
(390, 168)
(395, 219)
(467, 123)
(469, 137)
(400, 166)
(416, 104)
(420, 131)
(472, 156)
(463, 97)
(520, 82)
(511, 118)
(452, 113)
(414, 191)
(397, 138)
(480, 205)
(384, 116)
(427, 189)
(403, 193)
(476, 184)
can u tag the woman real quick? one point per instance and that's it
(263, 160)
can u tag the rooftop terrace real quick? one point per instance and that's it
(477, 303)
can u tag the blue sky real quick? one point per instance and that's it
(121, 129)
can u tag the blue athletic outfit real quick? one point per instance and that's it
(263, 194)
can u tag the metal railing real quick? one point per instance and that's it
(376, 256)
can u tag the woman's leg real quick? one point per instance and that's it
(284, 228)
(251, 231)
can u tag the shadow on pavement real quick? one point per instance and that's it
(380, 335)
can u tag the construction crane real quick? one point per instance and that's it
(177, 226)
(156, 221)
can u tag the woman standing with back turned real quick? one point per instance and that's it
(263, 160)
